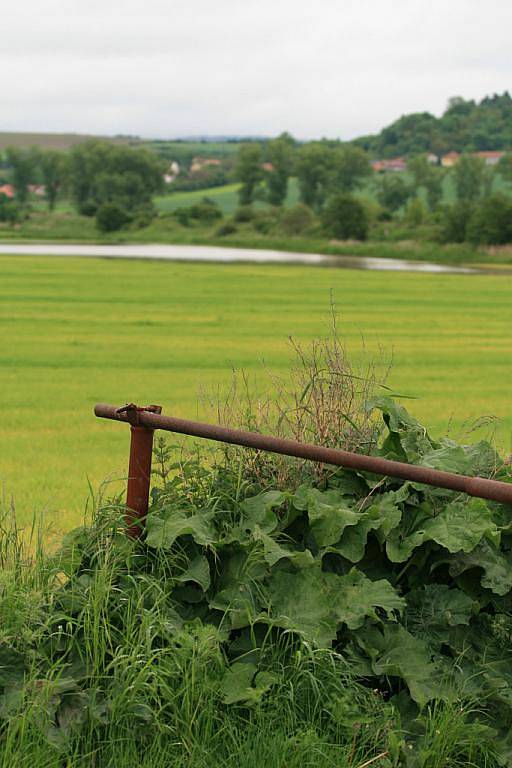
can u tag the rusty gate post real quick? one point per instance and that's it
(139, 470)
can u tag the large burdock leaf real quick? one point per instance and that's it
(315, 604)
(243, 684)
(434, 609)
(328, 512)
(496, 567)
(260, 511)
(273, 552)
(459, 527)
(449, 457)
(197, 572)
(239, 592)
(462, 525)
(383, 515)
(165, 526)
(397, 653)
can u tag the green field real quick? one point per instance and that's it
(227, 196)
(76, 332)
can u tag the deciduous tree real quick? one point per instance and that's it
(280, 154)
(248, 171)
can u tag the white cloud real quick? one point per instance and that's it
(333, 67)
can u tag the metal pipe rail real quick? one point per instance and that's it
(144, 421)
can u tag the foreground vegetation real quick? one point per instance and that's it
(276, 613)
(76, 332)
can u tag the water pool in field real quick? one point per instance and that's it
(203, 253)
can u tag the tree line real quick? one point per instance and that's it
(114, 183)
(465, 126)
(330, 174)
(117, 184)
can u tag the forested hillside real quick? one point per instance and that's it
(465, 126)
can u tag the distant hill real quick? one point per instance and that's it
(55, 140)
(465, 126)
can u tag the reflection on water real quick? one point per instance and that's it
(230, 255)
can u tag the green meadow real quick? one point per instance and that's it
(74, 332)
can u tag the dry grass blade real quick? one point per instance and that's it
(373, 760)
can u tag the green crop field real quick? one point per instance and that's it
(75, 332)
(226, 198)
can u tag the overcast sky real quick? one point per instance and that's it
(165, 68)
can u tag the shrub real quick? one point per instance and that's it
(143, 216)
(228, 228)
(454, 222)
(415, 212)
(110, 217)
(264, 221)
(206, 211)
(491, 222)
(244, 214)
(9, 210)
(345, 218)
(88, 208)
(296, 220)
(183, 216)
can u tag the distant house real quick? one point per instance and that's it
(7, 190)
(267, 167)
(199, 163)
(449, 160)
(396, 164)
(432, 159)
(490, 158)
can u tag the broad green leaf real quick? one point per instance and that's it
(397, 653)
(382, 515)
(406, 434)
(496, 567)
(198, 572)
(449, 457)
(243, 684)
(165, 526)
(236, 682)
(438, 605)
(396, 416)
(328, 513)
(459, 527)
(260, 511)
(315, 603)
(273, 552)
(403, 539)
(483, 459)
(239, 589)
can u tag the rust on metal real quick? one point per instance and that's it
(139, 470)
(492, 490)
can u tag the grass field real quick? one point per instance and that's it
(227, 197)
(77, 332)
